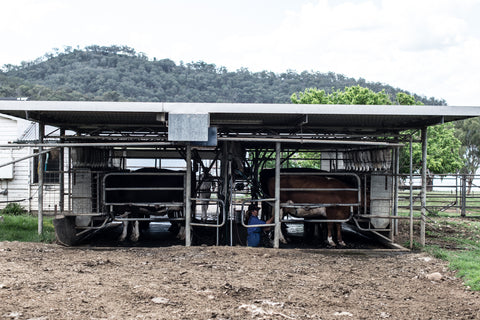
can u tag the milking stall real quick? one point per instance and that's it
(231, 156)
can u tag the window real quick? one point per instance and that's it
(51, 172)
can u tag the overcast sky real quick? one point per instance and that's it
(429, 47)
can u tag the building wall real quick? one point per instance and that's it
(20, 187)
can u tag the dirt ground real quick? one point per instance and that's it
(49, 281)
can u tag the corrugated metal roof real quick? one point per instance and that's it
(246, 118)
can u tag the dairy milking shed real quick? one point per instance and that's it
(224, 146)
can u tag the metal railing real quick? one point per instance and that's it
(444, 193)
(212, 225)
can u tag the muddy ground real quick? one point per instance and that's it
(49, 281)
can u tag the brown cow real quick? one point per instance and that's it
(328, 198)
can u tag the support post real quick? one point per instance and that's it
(188, 197)
(395, 192)
(424, 186)
(276, 239)
(61, 160)
(41, 165)
(463, 196)
(411, 192)
(226, 174)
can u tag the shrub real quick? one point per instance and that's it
(14, 209)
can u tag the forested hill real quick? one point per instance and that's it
(119, 73)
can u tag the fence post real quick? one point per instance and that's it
(463, 195)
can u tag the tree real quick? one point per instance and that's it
(350, 95)
(443, 148)
(443, 153)
(468, 132)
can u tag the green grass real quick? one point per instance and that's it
(463, 249)
(465, 262)
(24, 228)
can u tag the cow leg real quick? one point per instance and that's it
(135, 231)
(123, 236)
(282, 238)
(339, 235)
(204, 210)
(181, 233)
(329, 234)
(316, 231)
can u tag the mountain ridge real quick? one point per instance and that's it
(119, 73)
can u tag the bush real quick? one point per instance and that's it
(14, 209)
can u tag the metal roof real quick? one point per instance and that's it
(83, 116)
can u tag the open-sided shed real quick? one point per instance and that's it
(348, 137)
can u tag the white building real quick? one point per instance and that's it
(19, 180)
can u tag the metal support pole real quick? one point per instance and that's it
(225, 171)
(424, 186)
(41, 169)
(411, 192)
(276, 239)
(188, 197)
(70, 176)
(61, 160)
(395, 192)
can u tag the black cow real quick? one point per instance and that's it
(144, 193)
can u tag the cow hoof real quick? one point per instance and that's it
(122, 237)
(330, 242)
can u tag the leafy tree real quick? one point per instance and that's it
(443, 153)
(442, 146)
(468, 132)
(350, 95)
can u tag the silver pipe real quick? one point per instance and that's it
(276, 239)
(368, 229)
(319, 189)
(41, 169)
(26, 157)
(93, 228)
(424, 186)
(146, 204)
(318, 205)
(385, 217)
(309, 140)
(145, 189)
(149, 219)
(86, 144)
(61, 160)
(320, 220)
(411, 192)
(395, 192)
(188, 196)
(380, 235)
(217, 225)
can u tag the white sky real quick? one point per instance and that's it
(429, 47)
